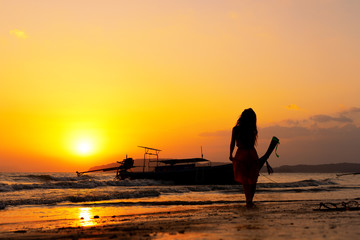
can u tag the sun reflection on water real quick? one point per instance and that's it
(85, 216)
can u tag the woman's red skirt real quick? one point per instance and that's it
(246, 166)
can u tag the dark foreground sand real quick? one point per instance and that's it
(269, 220)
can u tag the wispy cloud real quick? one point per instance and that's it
(345, 116)
(351, 111)
(321, 118)
(18, 33)
(292, 107)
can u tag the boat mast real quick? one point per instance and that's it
(150, 152)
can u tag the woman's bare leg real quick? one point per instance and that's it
(253, 190)
(249, 190)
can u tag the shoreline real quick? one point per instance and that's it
(271, 220)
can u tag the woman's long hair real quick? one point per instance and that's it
(246, 129)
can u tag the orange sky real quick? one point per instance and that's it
(84, 83)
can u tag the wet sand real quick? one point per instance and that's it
(269, 220)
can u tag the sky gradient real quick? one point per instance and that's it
(83, 83)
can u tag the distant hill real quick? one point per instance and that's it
(322, 168)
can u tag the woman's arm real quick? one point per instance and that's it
(232, 144)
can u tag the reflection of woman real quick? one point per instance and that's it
(246, 160)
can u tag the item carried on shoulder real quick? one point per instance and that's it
(273, 145)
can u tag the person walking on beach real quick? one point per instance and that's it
(246, 160)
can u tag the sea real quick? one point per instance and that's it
(54, 200)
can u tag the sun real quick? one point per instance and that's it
(84, 147)
(83, 142)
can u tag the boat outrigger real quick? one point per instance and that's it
(187, 171)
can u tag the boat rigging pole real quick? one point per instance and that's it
(151, 152)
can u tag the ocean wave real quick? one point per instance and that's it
(79, 184)
(5, 187)
(92, 183)
(47, 178)
(47, 181)
(2, 205)
(81, 198)
(299, 184)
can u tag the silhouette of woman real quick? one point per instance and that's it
(246, 160)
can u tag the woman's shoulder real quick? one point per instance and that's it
(235, 129)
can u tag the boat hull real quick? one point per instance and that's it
(221, 175)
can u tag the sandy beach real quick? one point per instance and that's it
(269, 220)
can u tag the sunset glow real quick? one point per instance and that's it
(84, 147)
(84, 141)
(83, 83)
